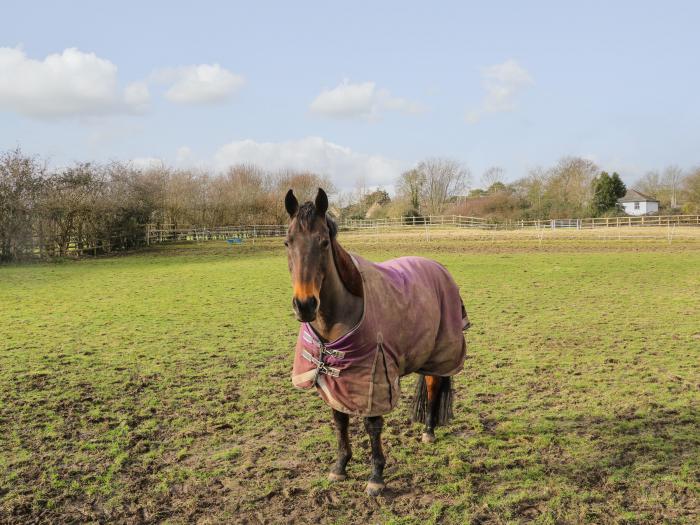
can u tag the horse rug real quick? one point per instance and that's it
(413, 321)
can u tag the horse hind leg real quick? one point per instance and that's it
(432, 404)
(341, 422)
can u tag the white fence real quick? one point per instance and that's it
(154, 234)
(169, 233)
(477, 222)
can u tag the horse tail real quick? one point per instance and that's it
(445, 397)
(443, 403)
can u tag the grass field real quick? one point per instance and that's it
(155, 387)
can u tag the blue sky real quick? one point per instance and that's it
(358, 90)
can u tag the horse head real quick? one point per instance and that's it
(309, 251)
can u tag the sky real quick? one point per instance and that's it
(357, 91)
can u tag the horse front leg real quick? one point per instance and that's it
(341, 423)
(373, 426)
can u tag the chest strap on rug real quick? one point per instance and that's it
(322, 367)
(338, 354)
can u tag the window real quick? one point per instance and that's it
(636, 205)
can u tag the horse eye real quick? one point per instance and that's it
(286, 243)
(324, 243)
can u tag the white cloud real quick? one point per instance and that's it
(342, 165)
(359, 101)
(74, 83)
(183, 155)
(502, 83)
(65, 84)
(137, 95)
(198, 84)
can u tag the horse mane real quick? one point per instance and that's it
(347, 270)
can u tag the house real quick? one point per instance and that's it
(636, 203)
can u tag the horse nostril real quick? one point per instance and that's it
(305, 306)
(313, 303)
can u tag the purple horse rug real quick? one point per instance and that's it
(413, 321)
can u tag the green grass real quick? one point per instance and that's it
(155, 387)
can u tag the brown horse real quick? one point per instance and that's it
(364, 325)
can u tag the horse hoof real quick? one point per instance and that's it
(374, 489)
(428, 438)
(332, 476)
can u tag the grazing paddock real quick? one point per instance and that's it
(156, 387)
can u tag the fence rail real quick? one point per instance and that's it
(155, 234)
(608, 222)
(167, 233)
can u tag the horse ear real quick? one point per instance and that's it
(321, 203)
(291, 203)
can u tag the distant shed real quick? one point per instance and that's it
(636, 203)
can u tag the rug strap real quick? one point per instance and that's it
(321, 367)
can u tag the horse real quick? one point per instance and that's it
(365, 325)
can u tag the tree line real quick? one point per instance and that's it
(100, 208)
(574, 187)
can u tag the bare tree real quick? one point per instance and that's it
(672, 178)
(410, 187)
(691, 188)
(239, 196)
(491, 176)
(74, 196)
(532, 191)
(305, 185)
(21, 179)
(650, 184)
(665, 186)
(569, 186)
(444, 178)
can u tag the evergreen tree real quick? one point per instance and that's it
(604, 196)
(618, 186)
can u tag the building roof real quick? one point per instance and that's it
(636, 196)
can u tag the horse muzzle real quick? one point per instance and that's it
(305, 309)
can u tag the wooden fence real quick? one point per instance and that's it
(477, 222)
(149, 234)
(168, 233)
